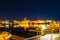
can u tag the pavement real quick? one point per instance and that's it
(49, 37)
(46, 37)
(57, 38)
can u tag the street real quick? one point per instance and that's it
(48, 37)
(14, 37)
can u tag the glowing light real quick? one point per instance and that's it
(7, 26)
(3, 22)
(24, 23)
(43, 27)
(5, 36)
(6, 21)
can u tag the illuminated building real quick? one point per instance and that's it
(41, 25)
(5, 36)
(25, 23)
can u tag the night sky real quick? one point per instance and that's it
(32, 9)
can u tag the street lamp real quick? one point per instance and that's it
(52, 33)
(43, 27)
(59, 31)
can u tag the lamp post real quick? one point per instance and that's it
(59, 32)
(42, 29)
(51, 34)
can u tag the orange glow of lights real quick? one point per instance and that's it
(25, 23)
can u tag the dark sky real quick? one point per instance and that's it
(32, 9)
